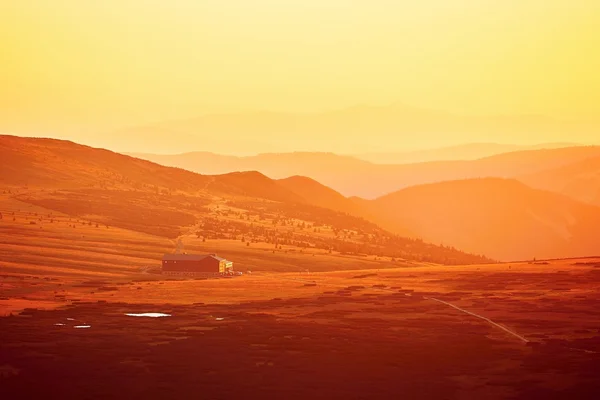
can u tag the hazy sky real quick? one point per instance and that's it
(86, 65)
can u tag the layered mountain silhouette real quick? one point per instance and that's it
(353, 177)
(135, 194)
(371, 128)
(499, 217)
(502, 218)
(580, 180)
(469, 151)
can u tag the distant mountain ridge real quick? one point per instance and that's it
(353, 177)
(469, 151)
(499, 217)
(579, 180)
(372, 128)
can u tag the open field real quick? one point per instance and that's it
(50, 254)
(342, 334)
(301, 322)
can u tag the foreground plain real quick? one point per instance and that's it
(370, 333)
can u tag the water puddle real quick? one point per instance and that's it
(219, 319)
(82, 326)
(150, 315)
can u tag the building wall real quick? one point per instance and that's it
(225, 266)
(206, 265)
(194, 274)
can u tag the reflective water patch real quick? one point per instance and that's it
(150, 314)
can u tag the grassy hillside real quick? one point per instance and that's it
(319, 195)
(112, 190)
(63, 164)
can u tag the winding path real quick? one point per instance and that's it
(505, 329)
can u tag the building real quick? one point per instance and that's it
(196, 265)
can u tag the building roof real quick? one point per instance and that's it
(190, 257)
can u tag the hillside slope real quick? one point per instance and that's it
(319, 195)
(502, 218)
(579, 180)
(59, 163)
(39, 162)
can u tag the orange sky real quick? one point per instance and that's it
(74, 67)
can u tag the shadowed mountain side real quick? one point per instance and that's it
(500, 217)
(579, 180)
(354, 177)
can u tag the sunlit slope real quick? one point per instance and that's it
(58, 163)
(54, 163)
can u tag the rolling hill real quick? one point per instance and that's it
(502, 218)
(353, 177)
(62, 164)
(97, 187)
